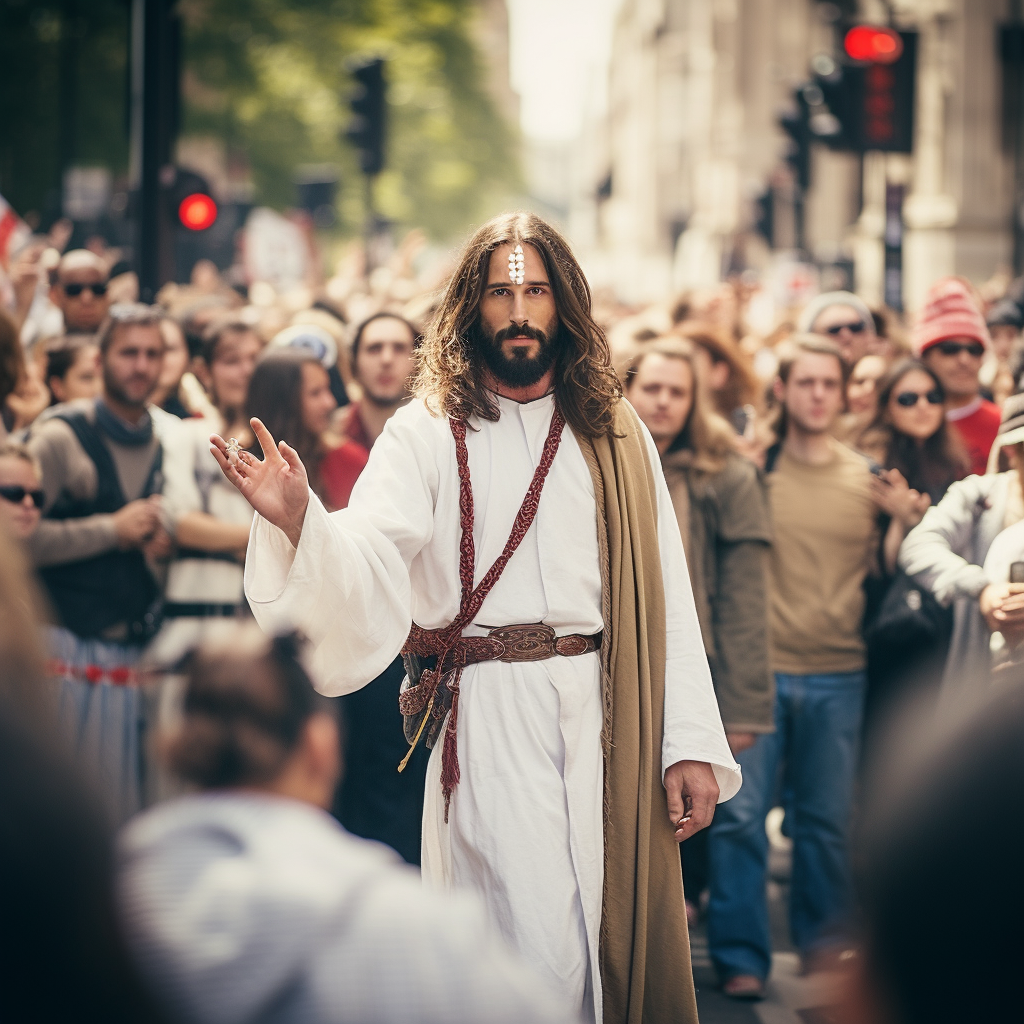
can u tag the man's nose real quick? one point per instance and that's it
(519, 314)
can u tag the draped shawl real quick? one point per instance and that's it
(644, 946)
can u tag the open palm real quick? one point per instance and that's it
(277, 487)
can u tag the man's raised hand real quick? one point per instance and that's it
(277, 487)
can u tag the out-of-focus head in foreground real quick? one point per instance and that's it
(247, 902)
(952, 811)
(251, 719)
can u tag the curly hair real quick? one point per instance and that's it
(450, 377)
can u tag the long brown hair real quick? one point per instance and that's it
(450, 374)
(930, 467)
(275, 397)
(705, 433)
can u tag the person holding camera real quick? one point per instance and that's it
(947, 553)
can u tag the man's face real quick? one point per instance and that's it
(813, 395)
(132, 363)
(81, 294)
(518, 328)
(384, 363)
(956, 362)
(661, 391)
(844, 326)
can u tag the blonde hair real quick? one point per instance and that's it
(13, 450)
(705, 433)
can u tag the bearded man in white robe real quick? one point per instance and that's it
(577, 734)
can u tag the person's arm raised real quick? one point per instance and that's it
(277, 488)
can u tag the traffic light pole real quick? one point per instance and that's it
(155, 63)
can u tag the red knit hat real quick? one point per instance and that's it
(950, 311)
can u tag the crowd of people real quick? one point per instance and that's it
(848, 494)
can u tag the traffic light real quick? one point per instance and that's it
(197, 211)
(873, 44)
(193, 207)
(829, 115)
(880, 89)
(764, 215)
(795, 122)
(368, 103)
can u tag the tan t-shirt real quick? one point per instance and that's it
(824, 534)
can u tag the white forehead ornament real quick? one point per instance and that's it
(516, 265)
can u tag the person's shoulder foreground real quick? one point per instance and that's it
(248, 907)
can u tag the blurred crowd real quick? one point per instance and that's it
(848, 489)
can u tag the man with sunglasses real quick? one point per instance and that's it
(844, 319)
(951, 339)
(79, 290)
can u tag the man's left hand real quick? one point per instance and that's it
(692, 794)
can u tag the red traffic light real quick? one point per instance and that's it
(197, 211)
(870, 43)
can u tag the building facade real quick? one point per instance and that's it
(669, 179)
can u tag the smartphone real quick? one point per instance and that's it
(1017, 572)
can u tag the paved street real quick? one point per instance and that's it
(791, 999)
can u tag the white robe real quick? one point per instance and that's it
(525, 826)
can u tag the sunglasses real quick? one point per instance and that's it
(954, 348)
(908, 399)
(854, 328)
(16, 495)
(72, 291)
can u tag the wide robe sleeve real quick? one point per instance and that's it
(693, 724)
(347, 583)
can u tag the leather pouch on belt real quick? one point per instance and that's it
(422, 698)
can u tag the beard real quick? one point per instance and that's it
(519, 370)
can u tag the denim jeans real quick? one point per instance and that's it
(816, 744)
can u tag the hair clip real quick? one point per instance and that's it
(516, 265)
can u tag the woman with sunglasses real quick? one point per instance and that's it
(919, 456)
(21, 491)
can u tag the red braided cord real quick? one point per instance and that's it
(467, 554)
(441, 641)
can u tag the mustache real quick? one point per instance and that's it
(519, 331)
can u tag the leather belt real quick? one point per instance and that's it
(527, 642)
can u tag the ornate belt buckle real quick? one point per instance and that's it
(530, 642)
(571, 646)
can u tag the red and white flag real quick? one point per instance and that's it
(14, 232)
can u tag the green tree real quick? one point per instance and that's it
(269, 77)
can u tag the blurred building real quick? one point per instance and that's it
(674, 180)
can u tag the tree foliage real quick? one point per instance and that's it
(270, 78)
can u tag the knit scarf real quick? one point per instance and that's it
(121, 431)
(644, 948)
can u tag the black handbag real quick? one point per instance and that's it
(908, 620)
